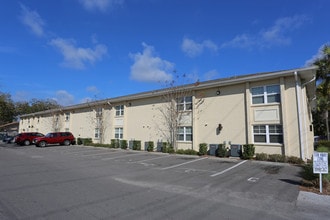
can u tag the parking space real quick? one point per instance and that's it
(115, 173)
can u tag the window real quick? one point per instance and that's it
(184, 103)
(266, 94)
(67, 117)
(98, 112)
(97, 133)
(119, 110)
(268, 134)
(118, 133)
(184, 134)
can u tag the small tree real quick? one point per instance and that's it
(172, 111)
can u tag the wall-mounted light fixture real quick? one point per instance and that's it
(218, 92)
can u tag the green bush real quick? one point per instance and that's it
(187, 152)
(150, 146)
(276, 158)
(262, 156)
(221, 151)
(164, 147)
(248, 151)
(202, 149)
(136, 145)
(123, 144)
(294, 160)
(167, 148)
(324, 143)
(113, 143)
(84, 141)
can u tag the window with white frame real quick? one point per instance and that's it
(119, 110)
(67, 116)
(184, 134)
(98, 112)
(266, 94)
(97, 133)
(268, 134)
(118, 133)
(184, 103)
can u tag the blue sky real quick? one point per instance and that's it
(75, 51)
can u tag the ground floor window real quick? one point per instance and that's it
(97, 133)
(184, 134)
(118, 133)
(268, 134)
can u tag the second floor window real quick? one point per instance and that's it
(184, 103)
(119, 110)
(266, 94)
(67, 117)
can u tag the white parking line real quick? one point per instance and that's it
(230, 168)
(177, 165)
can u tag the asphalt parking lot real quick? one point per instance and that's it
(82, 182)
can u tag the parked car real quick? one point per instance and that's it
(8, 139)
(62, 138)
(27, 138)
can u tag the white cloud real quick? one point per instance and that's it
(147, 67)
(276, 35)
(77, 57)
(64, 98)
(193, 49)
(100, 5)
(32, 20)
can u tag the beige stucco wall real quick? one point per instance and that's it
(227, 109)
(232, 108)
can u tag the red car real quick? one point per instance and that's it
(26, 138)
(62, 138)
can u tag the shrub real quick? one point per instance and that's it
(276, 158)
(262, 156)
(187, 152)
(221, 151)
(294, 160)
(164, 147)
(248, 151)
(123, 144)
(113, 143)
(150, 146)
(202, 149)
(136, 145)
(323, 143)
(84, 141)
(167, 148)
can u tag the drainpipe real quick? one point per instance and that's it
(304, 110)
(298, 98)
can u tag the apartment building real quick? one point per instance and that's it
(271, 110)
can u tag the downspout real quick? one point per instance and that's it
(298, 98)
(304, 106)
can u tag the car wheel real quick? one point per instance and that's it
(66, 142)
(42, 144)
(26, 142)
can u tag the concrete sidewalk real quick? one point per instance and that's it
(309, 201)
